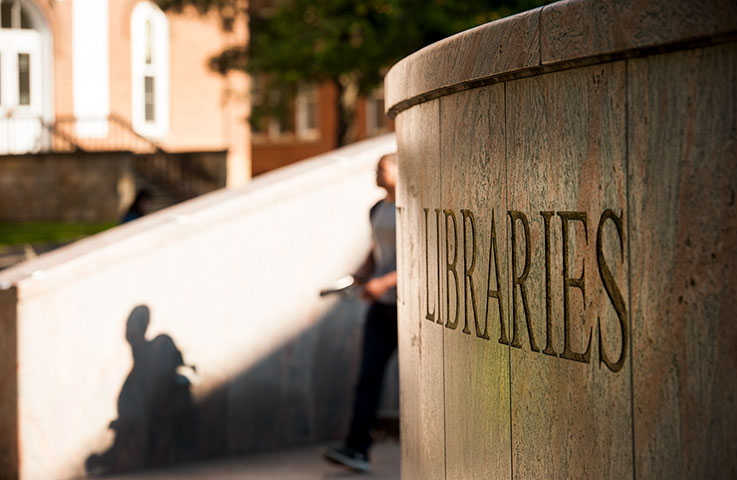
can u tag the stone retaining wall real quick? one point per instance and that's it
(65, 186)
(85, 186)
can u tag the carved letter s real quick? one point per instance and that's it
(612, 290)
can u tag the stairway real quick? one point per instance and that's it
(171, 177)
(162, 196)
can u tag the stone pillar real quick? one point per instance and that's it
(238, 167)
(568, 244)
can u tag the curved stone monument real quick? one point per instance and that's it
(568, 244)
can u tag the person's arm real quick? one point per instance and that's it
(364, 271)
(377, 287)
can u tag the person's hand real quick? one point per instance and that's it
(361, 276)
(374, 289)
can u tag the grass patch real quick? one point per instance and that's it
(14, 233)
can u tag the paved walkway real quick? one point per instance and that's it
(300, 464)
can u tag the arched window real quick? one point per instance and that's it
(150, 70)
(13, 15)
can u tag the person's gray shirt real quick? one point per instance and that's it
(384, 234)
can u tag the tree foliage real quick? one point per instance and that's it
(351, 43)
(327, 39)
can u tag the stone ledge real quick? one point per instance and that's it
(561, 35)
(575, 29)
(465, 57)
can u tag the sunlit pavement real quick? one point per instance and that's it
(304, 463)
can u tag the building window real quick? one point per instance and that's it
(306, 113)
(149, 33)
(26, 58)
(258, 117)
(149, 99)
(20, 63)
(12, 15)
(150, 70)
(272, 110)
(282, 113)
(24, 79)
(376, 121)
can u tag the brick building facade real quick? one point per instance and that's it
(308, 125)
(105, 73)
(101, 73)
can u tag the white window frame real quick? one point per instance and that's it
(277, 131)
(158, 69)
(20, 125)
(373, 113)
(12, 44)
(307, 94)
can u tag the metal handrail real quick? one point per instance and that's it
(20, 134)
(50, 127)
(69, 134)
(109, 133)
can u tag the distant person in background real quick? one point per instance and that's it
(378, 277)
(140, 206)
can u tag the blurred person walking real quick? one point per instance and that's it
(378, 279)
(139, 207)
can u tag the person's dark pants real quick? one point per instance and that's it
(379, 342)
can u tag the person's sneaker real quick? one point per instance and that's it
(347, 457)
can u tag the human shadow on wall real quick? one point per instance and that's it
(156, 418)
(301, 393)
